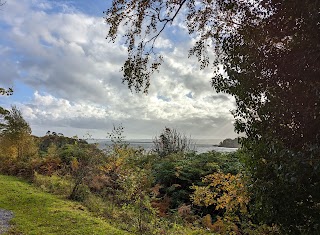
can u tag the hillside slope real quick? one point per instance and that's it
(36, 212)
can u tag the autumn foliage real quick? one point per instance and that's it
(147, 193)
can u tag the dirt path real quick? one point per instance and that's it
(5, 217)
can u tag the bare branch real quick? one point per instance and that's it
(166, 20)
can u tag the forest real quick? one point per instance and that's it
(267, 56)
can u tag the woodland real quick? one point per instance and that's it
(267, 55)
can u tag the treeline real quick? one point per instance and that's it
(171, 190)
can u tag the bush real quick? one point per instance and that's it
(171, 141)
(176, 173)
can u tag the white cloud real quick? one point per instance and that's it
(163, 43)
(75, 74)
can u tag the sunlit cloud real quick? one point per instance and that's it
(61, 54)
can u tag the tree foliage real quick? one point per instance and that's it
(267, 56)
(57, 140)
(13, 124)
(273, 72)
(144, 21)
(3, 91)
(228, 194)
(17, 146)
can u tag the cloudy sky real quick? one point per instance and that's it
(66, 76)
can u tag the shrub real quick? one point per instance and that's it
(171, 141)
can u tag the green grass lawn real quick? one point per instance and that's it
(36, 212)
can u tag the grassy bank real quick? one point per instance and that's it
(36, 212)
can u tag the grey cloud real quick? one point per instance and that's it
(196, 128)
(8, 73)
(76, 72)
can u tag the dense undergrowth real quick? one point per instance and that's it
(172, 190)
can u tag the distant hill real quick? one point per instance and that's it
(230, 143)
(58, 140)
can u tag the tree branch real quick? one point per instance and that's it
(166, 20)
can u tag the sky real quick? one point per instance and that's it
(66, 76)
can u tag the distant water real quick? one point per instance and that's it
(201, 146)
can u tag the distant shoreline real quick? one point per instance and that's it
(147, 144)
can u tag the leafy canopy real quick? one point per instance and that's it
(267, 56)
(4, 91)
(210, 22)
(12, 123)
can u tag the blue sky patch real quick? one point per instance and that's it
(189, 95)
(161, 97)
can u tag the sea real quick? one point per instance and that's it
(200, 145)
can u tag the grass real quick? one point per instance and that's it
(37, 212)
